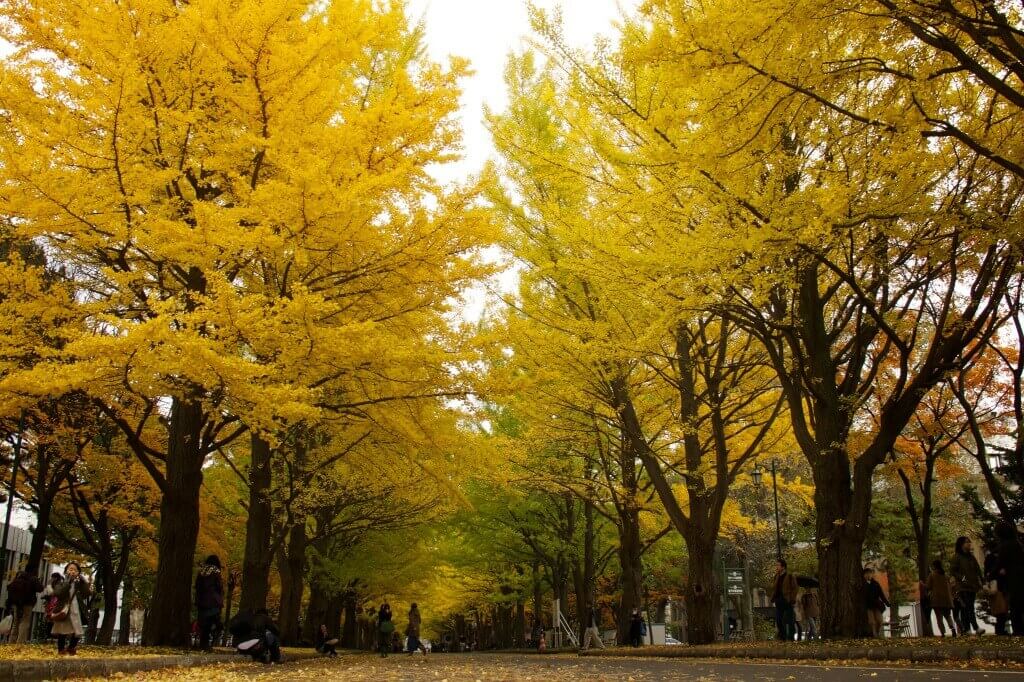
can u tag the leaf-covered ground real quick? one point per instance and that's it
(30, 652)
(491, 667)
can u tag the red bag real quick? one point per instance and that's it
(54, 614)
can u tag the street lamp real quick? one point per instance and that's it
(758, 473)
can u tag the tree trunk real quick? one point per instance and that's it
(110, 588)
(125, 626)
(349, 631)
(700, 596)
(170, 617)
(519, 625)
(630, 550)
(39, 533)
(258, 529)
(291, 566)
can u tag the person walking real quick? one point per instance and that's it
(941, 596)
(784, 598)
(22, 595)
(812, 612)
(412, 631)
(875, 602)
(325, 644)
(71, 604)
(209, 601)
(967, 572)
(798, 615)
(385, 629)
(593, 630)
(1010, 575)
(636, 628)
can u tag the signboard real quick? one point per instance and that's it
(734, 582)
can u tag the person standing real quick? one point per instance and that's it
(812, 612)
(22, 594)
(784, 598)
(1010, 575)
(875, 602)
(593, 630)
(798, 615)
(968, 575)
(72, 599)
(412, 631)
(385, 629)
(941, 597)
(209, 601)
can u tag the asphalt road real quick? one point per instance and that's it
(492, 667)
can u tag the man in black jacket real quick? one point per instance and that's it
(209, 601)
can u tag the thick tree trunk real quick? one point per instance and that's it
(170, 616)
(39, 533)
(291, 566)
(349, 631)
(630, 550)
(258, 529)
(125, 626)
(110, 588)
(701, 594)
(519, 625)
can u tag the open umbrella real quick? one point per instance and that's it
(806, 581)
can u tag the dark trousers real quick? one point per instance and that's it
(69, 642)
(785, 620)
(1016, 613)
(964, 612)
(209, 625)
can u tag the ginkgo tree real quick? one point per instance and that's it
(239, 195)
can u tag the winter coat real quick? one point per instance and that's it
(811, 606)
(209, 589)
(636, 625)
(23, 590)
(874, 596)
(414, 623)
(1010, 567)
(262, 623)
(967, 572)
(786, 586)
(938, 590)
(73, 624)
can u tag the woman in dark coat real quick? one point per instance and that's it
(967, 571)
(209, 600)
(941, 598)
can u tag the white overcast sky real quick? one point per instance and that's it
(485, 32)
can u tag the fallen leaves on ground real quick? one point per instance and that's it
(41, 652)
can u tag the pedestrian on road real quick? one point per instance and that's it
(812, 612)
(385, 629)
(209, 601)
(941, 596)
(593, 631)
(412, 631)
(968, 575)
(875, 602)
(22, 595)
(784, 598)
(636, 628)
(1010, 575)
(72, 602)
(326, 644)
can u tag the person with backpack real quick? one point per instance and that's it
(941, 596)
(968, 575)
(71, 604)
(209, 601)
(22, 594)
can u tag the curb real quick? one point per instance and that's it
(64, 668)
(887, 653)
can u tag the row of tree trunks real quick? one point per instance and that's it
(291, 564)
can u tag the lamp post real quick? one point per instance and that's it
(757, 473)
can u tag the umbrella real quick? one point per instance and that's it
(806, 581)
